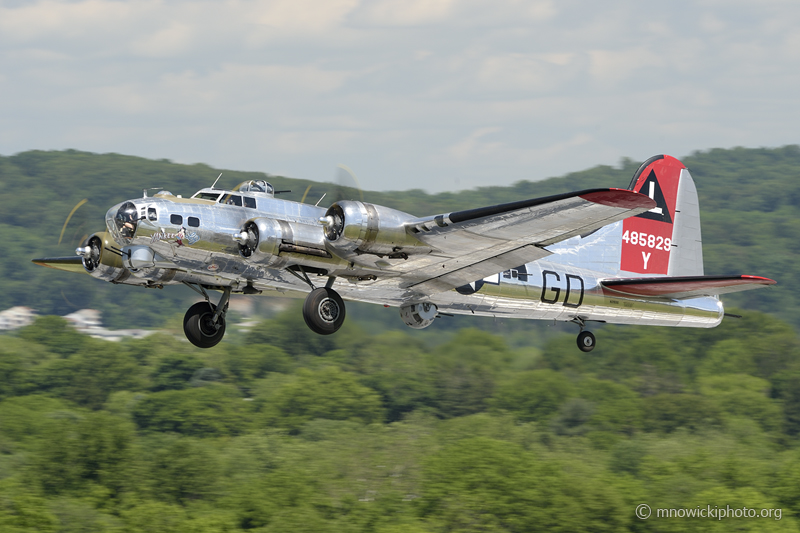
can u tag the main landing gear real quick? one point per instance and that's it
(323, 309)
(204, 322)
(586, 340)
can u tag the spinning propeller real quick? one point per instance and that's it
(346, 186)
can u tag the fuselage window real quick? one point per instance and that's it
(232, 199)
(152, 214)
(249, 202)
(193, 222)
(176, 219)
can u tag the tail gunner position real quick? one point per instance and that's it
(623, 256)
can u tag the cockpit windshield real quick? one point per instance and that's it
(203, 195)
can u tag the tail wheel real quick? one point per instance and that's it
(586, 341)
(324, 311)
(199, 325)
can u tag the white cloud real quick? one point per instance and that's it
(475, 145)
(172, 40)
(405, 12)
(230, 93)
(415, 92)
(329, 142)
(612, 67)
(527, 72)
(48, 19)
(543, 10)
(290, 16)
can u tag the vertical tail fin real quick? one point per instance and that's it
(665, 240)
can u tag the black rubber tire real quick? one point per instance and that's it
(324, 311)
(586, 341)
(198, 327)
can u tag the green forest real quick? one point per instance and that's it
(384, 432)
(472, 425)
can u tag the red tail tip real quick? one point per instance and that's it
(621, 198)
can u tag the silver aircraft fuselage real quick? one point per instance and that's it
(192, 240)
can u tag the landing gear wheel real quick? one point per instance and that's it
(199, 327)
(323, 311)
(586, 341)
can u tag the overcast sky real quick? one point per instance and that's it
(432, 94)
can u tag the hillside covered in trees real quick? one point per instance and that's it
(749, 198)
(363, 432)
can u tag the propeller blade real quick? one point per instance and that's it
(63, 229)
(347, 181)
(303, 199)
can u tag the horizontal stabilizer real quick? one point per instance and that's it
(70, 264)
(681, 288)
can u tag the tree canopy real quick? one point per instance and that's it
(384, 431)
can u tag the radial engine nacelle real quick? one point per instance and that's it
(360, 228)
(267, 241)
(101, 259)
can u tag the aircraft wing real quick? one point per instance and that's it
(681, 288)
(70, 264)
(476, 243)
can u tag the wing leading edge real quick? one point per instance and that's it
(69, 264)
(476, 243)
(681, 288)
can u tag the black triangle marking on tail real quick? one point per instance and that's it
(651, 188)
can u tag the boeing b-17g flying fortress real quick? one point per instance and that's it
(623, 256)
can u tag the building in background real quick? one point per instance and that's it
(16, 317)
(86, 321)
